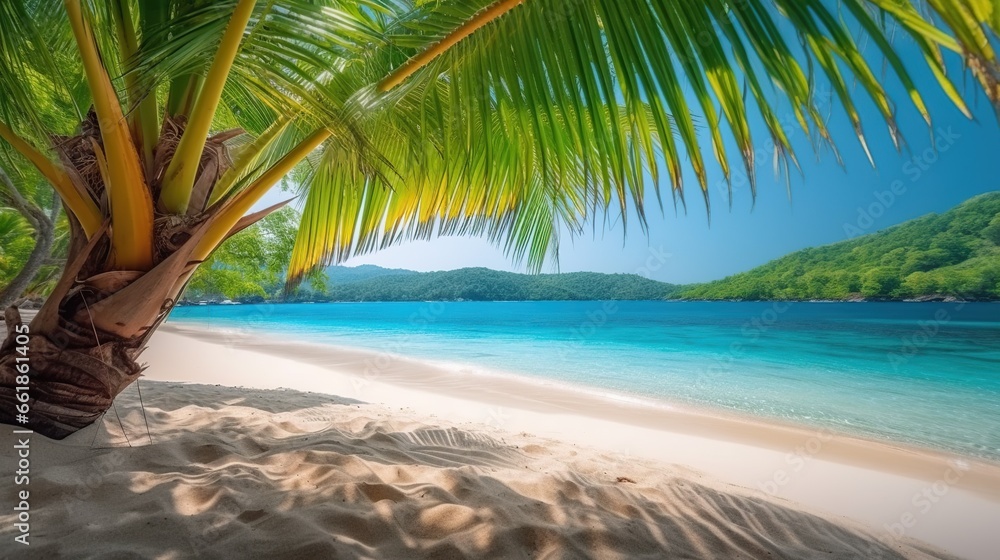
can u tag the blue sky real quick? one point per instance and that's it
(829, 203)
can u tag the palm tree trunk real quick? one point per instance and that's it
(73, 379)
(84, 343)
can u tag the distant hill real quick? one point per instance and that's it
(956, 253)
(372, 283)
(351, 274)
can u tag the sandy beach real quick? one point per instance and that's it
(247, 447)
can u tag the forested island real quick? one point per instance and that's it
(955, 254)
(483, 284)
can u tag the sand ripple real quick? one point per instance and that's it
(253, 474)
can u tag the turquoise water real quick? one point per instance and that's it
(921, 373)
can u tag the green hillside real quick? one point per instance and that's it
(351, 274)
(483, 284)
(956, 253)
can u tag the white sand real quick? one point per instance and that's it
(346, 472)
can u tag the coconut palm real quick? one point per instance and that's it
(399, 119)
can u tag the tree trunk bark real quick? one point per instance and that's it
(72, 379)
(83, 344)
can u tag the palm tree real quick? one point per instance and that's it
(400, 119)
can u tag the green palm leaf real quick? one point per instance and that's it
(554, 114)
(597, 99)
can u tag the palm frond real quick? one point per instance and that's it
(509, 119)
(597, 98)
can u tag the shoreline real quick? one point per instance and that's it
(919, 299)
(239, 445)
(221, 472)
(877, 484)
(609, 404)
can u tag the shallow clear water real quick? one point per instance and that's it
(922, 373)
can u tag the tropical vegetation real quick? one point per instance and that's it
(402, 119)
(954, 254)
(251, 265)
(33, 237)
(483, 284)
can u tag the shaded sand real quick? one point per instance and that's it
(346, 472)
(234, 473)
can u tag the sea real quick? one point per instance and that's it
(924, 374)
